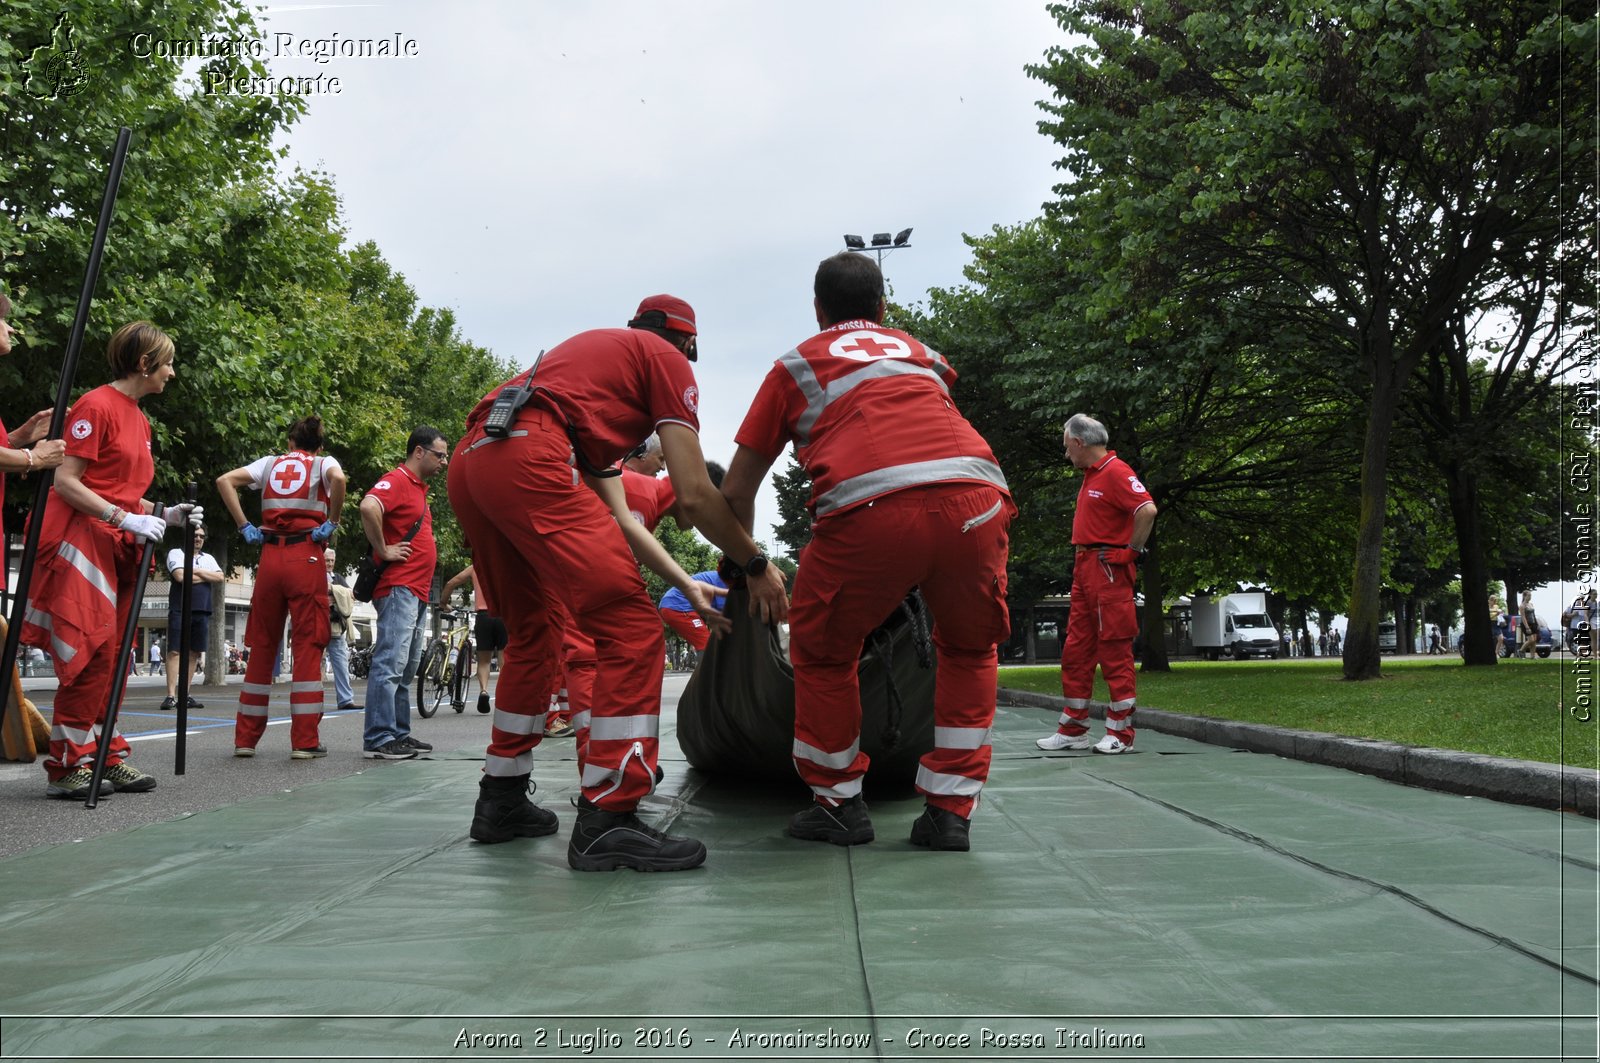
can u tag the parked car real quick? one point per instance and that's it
(1508, 646)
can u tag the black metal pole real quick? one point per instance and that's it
(119, 679)
(180, 747)
(69, 370)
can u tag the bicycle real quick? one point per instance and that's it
(446, 668)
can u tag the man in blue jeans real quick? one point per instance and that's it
(399, 527)
(341, 606)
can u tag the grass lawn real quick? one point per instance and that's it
(1520, 709)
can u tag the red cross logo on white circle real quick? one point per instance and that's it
(865, 345)
(288, 477)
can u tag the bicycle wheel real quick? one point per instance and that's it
(430, 680)
(461, 678)
(441, 681)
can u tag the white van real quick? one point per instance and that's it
(1388, 637)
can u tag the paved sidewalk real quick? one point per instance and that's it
(1187, 900)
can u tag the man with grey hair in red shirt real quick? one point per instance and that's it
(1110, 527)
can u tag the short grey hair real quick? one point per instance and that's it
(1091, 432)
(652, 445)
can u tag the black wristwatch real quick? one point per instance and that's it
(756, 565)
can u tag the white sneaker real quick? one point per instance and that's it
(1111, 744)
(1061, 741)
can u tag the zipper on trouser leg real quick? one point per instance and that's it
(620, 773)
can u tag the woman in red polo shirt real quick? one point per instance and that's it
(96, 523)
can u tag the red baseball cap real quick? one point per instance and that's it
(680, 315)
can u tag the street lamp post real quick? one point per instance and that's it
(882, 243)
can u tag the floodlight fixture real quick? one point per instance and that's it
(882, 244)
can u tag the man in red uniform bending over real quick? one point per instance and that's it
(905, 493)
(1109, 530)
(302, 493)
(543, 535)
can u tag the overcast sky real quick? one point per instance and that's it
(539, 166)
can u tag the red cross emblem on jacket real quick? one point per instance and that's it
(288, 477)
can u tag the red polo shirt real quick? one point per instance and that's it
(649, 497)
(108, 431)
(616, 386)
(1110, 495)
(404, 498)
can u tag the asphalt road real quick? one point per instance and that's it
(213, 776)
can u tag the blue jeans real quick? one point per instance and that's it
(339, 663)
(396, 652)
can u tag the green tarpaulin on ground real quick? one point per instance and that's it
(1204, 902)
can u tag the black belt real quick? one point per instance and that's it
(280, 539)
(1085, 547)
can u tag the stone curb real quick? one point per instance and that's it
(1522, 782)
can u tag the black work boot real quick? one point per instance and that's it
(846, 823)
(605, 841)
(504, 812)
(939, 828)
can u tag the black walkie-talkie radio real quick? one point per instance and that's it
(508, 402)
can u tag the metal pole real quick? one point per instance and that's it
(69, 370)
(119, 679)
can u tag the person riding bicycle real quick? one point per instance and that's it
(488, 630)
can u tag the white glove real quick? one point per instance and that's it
(174, 515)
(145, 525)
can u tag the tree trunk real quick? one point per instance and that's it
(1361, 658)
(1155, 618)
(1462, 489)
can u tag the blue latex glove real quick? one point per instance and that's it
(252, 535)
(324, 532)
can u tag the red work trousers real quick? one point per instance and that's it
(689, 625)
(576, 698)
(291, 582)
(948, 539)
(79, 710)
(1100, 630)
(541, 539)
